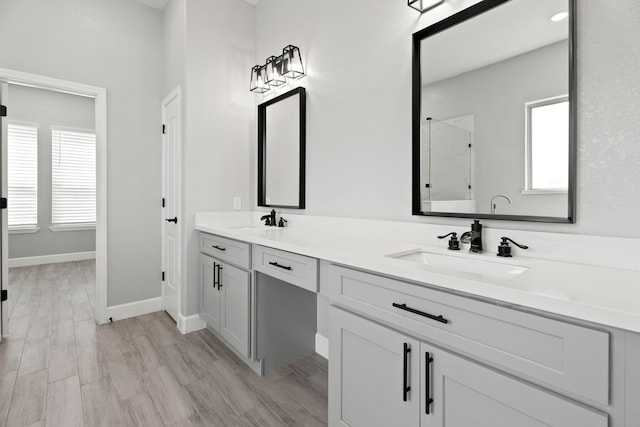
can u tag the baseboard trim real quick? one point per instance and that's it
(188, 324)
(50, 259)
(322, 346)
(133, 309)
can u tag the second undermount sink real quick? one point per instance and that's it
(462, 263)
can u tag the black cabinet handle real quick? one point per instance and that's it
(174, 220)
(218, 248)
(405, 380)
(275, 264)
(427, 382)
(420, 313)
(215, 269)
(219, 280)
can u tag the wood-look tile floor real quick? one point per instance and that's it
(58, 368)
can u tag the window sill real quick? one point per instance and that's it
(542, 192)
(24, 229)
(72, 227)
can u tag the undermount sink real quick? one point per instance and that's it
(461, 263)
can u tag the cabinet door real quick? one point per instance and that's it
(210, 303)
(367, 374)
(467, 394)
(234, 308)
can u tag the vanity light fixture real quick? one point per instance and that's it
(424, 5)
(259, 79)
(292, 62)
(274, 70)
(277, 69)
(560, 16)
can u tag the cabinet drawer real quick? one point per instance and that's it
(296, 269)
(224, 249)
(551, 352)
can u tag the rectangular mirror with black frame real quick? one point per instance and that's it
(281, 150)
(494, 113)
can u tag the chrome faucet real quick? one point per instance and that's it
(493, 203)
(474, 237)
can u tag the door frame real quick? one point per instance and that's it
(99, 95)
(175, 94)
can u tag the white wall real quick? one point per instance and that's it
(116, 44)
(496, 95)
(358, 60)
(219, 131)
(49, 109)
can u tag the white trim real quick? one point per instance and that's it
(99, 95)
(188, 324)
(322, 346)
(23, 229)
(71, 227)
(50, 259)
(133, 309)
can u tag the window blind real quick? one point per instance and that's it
(73, 177)
(22, 175)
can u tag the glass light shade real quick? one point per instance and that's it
(292, 62)
(274, 75)
(424, 5)
(258, 79)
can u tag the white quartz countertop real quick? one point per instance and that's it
(603, 295)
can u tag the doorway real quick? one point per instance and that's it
(100, 110)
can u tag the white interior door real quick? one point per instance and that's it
(171, 222)
(4, 242)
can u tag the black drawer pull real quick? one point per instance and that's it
(405, 381)
(275, 264)
(218, 248)
(420, 313)
(427, 382)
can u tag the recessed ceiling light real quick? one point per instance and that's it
(560, 16)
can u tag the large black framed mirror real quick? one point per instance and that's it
(494, 113)
(281, 150)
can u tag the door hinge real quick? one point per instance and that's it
(163, 129)
(4, 296)
(163, 276)
(3, 203)
(163, 202)
(3, 111)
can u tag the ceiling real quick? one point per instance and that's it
(161, 4)
(509, 30)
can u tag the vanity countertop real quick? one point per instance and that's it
(603, 295)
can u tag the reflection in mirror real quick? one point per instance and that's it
(281, 150)
(493, 120)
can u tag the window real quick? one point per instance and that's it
(22, 176)
(73, 178)
(548, 145)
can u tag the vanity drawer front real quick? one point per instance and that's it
(224, 249)
(296, 269)
(550, 352)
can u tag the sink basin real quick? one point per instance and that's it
(484, 267)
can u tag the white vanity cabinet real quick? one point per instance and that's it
(383, 378)
(482, 364)
(225, 303)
